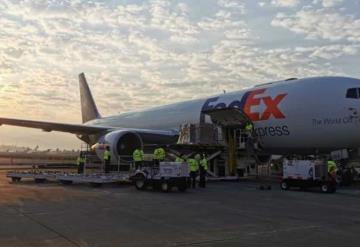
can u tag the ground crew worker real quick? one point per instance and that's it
(138, 157)
(249, 128)
(159, 155)
(107, 158)
(81, 162)
(331, 166)
(203, 169)
(194, 168)
(180, 159)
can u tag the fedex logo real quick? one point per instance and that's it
(250, 100)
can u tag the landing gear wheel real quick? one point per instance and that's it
(165, 187)
(284, 185)
(140, 182)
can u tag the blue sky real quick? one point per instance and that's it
(137, 54)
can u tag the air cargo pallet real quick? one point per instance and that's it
(96, 180)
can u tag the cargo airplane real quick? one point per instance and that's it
(306, 116)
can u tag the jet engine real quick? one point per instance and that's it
(121, 143)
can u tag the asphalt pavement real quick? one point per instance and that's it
(223, 214)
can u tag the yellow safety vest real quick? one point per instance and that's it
(159, 154)
(204, 164)
(80, 160)
(331, 165)
(138, 155)
(193, 165)
(178, 159)
(248, 127)
(107, 155)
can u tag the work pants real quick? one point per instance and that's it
(107, 166)
(138, 165)
(81, 168)
(193, 176)
(202, 181)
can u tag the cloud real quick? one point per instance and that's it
(285, 3)
(320, 23)
(146, 53)
(331, 3)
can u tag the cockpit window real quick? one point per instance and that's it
(353, 93)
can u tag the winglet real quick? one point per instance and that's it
(89, 110)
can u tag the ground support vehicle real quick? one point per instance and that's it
(306, 174)
(95, 179)
(37, 176)
(164, 177)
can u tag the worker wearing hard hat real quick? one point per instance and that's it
(159, 155)
(203, 169)
(194, 169)
(138, 157)
(80, 163)
(107, 158)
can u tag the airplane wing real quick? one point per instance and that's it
(78, 129)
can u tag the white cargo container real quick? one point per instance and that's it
(307, 173)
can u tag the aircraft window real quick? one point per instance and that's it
(353, 93)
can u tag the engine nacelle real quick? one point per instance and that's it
(121, 142)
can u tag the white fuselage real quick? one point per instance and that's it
(306, 115)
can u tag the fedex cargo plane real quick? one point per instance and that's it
(306, 116)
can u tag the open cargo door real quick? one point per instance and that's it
(230, 119)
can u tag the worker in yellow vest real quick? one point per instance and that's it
(80, 163)
(332, 168)
(107, 158)
(138, 157)
(203, 169)
(194, 169)
(249, 127)
(180, 158)
(159, 155)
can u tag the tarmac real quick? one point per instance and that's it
(223, 214)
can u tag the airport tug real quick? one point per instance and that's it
(163, 177)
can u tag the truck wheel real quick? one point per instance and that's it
(39, 180)
(284, 185)
(66, 182)
(95, 185)
(182, 186)
(140, 182)
(165, 187)
(325, 188)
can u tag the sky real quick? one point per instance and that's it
(137, 54)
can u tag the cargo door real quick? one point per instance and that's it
(232, 122)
